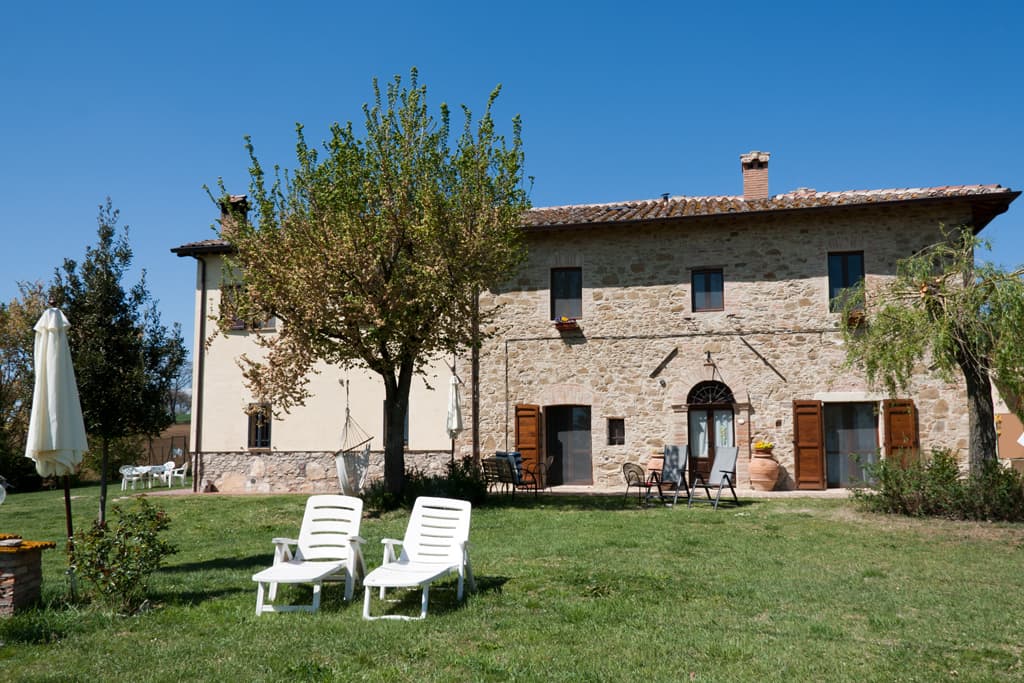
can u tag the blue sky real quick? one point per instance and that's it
(146, 102)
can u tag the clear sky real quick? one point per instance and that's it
(146, 102)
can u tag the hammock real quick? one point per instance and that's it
(353, 460)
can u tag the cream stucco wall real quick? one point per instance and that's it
(316, 426)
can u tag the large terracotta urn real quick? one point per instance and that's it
(764, 470)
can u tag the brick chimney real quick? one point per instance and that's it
(755, 175)
(232, 209)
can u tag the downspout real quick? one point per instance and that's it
(197, 446)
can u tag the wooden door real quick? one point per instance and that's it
(808, 445)
(528, 435)
(901, 436)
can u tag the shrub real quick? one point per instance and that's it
(936, 489)
(462, 480)
(116, 559)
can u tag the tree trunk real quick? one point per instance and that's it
(981, 423)
(104, 459)
(475, 375)
(396, 410)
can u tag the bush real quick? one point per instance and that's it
(936, 489)
(463, 480)
(117, 559)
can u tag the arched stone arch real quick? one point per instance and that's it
(567, 395)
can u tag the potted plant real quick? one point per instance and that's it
(566, 324)
(764, 468)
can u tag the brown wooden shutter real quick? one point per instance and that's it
(809, 444)
(528, 432)
(901, 437)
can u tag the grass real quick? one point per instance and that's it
(570, 589)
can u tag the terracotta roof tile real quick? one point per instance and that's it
(681, 207)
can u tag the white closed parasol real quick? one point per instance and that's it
(56, 431)
(453, 425)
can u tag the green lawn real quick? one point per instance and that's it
(570, 589)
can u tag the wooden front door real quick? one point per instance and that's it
(528, 435)
(809, 444)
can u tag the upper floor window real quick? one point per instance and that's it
(566, 293)
(845, 272)
(707, 286)
(260, 419)
(230, 294)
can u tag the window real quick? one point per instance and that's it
(707, 287)
(566, 293)
(845, 272)
(259, 425)
(616, 431)
(231, 294)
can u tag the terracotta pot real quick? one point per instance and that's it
(764, 471)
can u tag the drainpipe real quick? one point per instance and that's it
(197, 403)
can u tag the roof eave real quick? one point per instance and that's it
(985, 207)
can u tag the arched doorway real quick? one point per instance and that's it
(710, 408)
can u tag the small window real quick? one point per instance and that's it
(566, 293)
(230, 294)
(707, 286)
(845, 273)
(616, 431)
(260, 419)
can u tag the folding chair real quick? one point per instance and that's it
(722, 474)
(673, 472)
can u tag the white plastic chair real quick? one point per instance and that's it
(328, 549)
(129, 474)
(180, 472)
(162, 473)
(436, 544)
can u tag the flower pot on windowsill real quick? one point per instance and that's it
(567, 325)
(855, 319)
(764, 470)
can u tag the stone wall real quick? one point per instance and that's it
(642, 348)
(296, 472)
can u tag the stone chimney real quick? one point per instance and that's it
(755, 175)
(232, 210)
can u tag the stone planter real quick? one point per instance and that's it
(764, 471)
(20, 572)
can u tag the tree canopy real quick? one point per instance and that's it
(372, 251)
(125, 359)
(17, 344)
(947, 312)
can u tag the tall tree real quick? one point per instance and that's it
(374, 255)
(959, 317)
(17, 343)
(125, 359)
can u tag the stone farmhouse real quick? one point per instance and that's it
(713, 321)
(705, 321)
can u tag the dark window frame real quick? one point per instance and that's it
(702, 297)
(616, 431)
(570, 306)
(237, 324)
(259, 428)
(841, 278)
